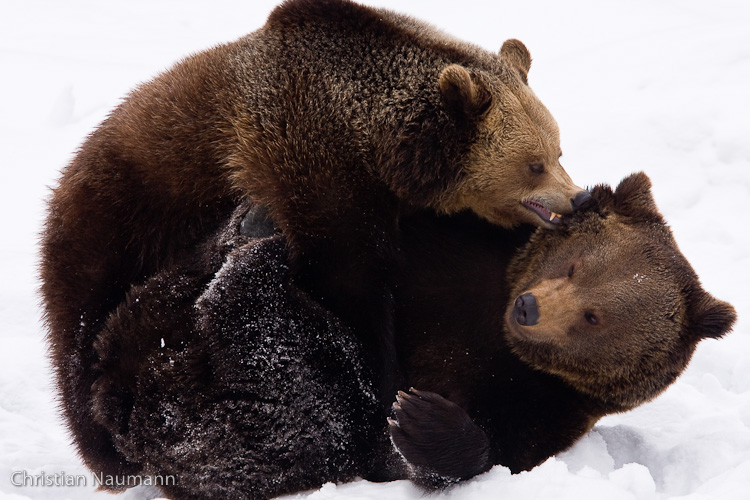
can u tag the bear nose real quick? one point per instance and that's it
(580, 199)
(525, 310)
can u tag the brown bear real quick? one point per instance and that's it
(338, 118)
(238, 385)
(596, 318)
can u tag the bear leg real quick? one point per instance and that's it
(438, 439)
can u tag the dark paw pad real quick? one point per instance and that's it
(438, 436)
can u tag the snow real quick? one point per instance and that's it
(637, 85)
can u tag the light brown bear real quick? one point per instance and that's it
(338, 118)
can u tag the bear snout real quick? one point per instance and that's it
(580, 199)
(525, 310)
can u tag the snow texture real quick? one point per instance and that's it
(659, 86)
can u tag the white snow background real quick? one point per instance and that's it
(660, 86)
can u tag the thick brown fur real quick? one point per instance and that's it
(645, 302)
(336, 117)
(244, 387)
(619, 314)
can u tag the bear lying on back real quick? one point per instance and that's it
(596, 318)
(240, 385)
(337, 118)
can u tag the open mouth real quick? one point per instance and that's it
(539, 209)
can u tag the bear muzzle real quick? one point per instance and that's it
(525, 310)
(542, 211)
(580, 200)
(547, 209)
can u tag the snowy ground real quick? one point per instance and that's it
(659, 86)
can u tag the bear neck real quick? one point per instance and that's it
(620, 394)
(373, 76)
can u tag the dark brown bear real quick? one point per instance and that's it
(335, 116)
(599, 317)
(224, 374)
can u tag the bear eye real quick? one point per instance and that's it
(591, 318)
(571, 270)
(536, 167)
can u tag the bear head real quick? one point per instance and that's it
(608, 303)
(512, 171)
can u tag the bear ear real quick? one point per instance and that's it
(711, 318)
(464, 96)
(633, 197)
(517, 55)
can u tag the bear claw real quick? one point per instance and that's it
(437, 435)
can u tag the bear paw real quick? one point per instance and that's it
(437, 438)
